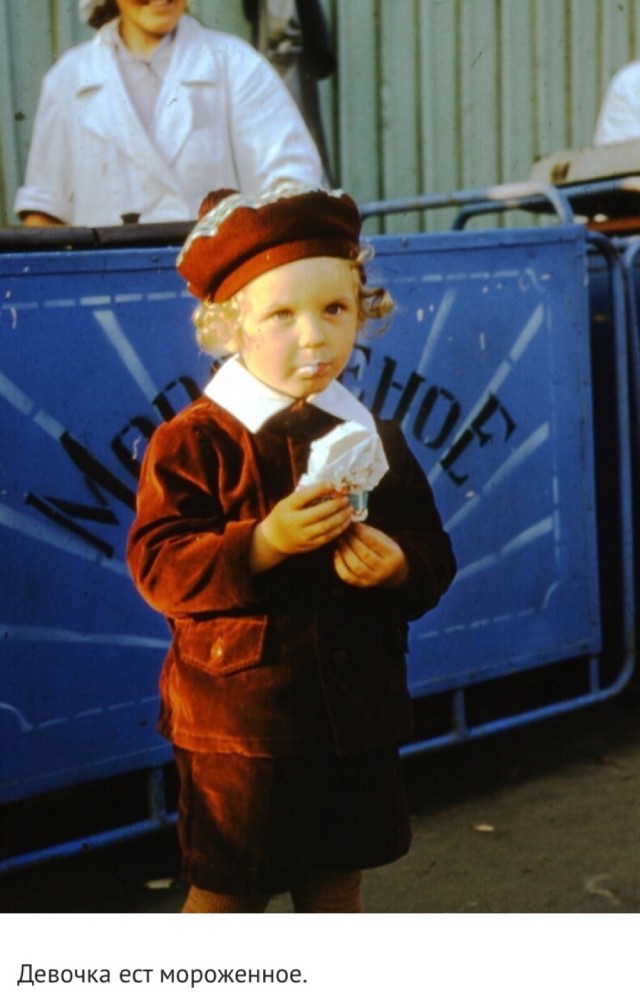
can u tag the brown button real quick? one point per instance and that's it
(217, 650)
(339, 657)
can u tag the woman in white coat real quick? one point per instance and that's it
(141, 121)
(619, 117)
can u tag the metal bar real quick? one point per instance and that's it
(630, 253)
(623, 331)
(83, 845)
(597, 187)
(156, 796)
(509, 196)
(520, 719)
(459, 713)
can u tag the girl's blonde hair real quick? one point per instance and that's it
(217, 324)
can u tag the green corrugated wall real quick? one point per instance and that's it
(430, 95)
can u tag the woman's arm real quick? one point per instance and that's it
(35, 219)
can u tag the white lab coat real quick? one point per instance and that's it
(223, 119)
(619, 117)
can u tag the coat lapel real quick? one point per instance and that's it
(192, 65)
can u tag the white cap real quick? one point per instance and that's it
(87, 7)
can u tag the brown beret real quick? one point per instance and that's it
(239, 237)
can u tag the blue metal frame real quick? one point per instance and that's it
(493, 199)
(623, 326)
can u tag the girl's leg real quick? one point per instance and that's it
(329, 892)
(201, 901)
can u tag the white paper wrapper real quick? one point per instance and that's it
(350, 458)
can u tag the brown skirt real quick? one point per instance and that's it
(260, 825)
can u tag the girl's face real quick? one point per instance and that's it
(144, 23)
(299, 324)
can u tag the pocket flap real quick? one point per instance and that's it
(223, 645)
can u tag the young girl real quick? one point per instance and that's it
(284, 692)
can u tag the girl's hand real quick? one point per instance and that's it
(304, 521)
(367, 557)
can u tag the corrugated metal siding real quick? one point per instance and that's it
(468, 92)
(430, 95)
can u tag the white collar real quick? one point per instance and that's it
(252, 402)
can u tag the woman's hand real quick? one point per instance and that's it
(304, 521)
(366, 557)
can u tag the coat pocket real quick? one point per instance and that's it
(221, 646)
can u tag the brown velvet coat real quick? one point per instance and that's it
(292, 661)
